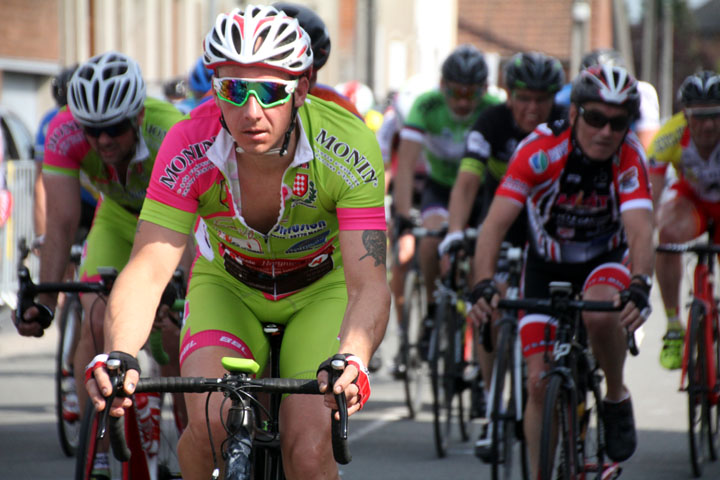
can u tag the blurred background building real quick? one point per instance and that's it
(381, 43)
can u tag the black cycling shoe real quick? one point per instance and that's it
(483, 446)
(398, 369)
(375, 363)
(620, 436)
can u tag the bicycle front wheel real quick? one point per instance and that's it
(700, 432)
(559, 461)
(66, 398)
(441, 373)
(415, 375)
(506, 444)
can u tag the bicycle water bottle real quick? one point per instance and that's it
(147, 405)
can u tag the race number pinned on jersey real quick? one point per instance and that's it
(6, 204)
(300, 185)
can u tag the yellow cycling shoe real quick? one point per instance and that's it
(672, 350)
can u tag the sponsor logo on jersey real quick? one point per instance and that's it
(539, 161)
(628, 180)
(477, 144)
(318, 260)
(559, 151)
(180, 162)
(300, 185)
(249, 244)
(307, 199)
(351, 156)
(299, 229)
(308, 244)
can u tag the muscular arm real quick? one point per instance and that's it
(137, 290)
(63, 214)
(500, 217)
(408, 153)
(462, 197)
(368, 309)
(639, 226)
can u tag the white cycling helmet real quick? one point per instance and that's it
(259, 35)
(106, 89)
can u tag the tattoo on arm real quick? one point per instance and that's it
(137, 228)
(375, 244)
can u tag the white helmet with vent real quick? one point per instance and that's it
(106, 89)
(259, 35)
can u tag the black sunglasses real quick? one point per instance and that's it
(598, 120)
(114, 130)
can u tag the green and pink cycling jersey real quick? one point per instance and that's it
(335, 182)
(68, 153)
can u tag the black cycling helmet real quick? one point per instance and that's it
(602, 56)
(700, 88)
(466, 65)
(59, 84)
(607, 84)
(534, 71)
(314, 26)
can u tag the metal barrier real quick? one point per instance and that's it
(20, 175)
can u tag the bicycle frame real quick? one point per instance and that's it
(703, 288)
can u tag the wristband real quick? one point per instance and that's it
(100, 361)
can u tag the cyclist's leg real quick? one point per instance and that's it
(434, 212)
(218, 323)
(608, 340)
(311, 336)
(679, 220)
(108, 245)
(532, 335)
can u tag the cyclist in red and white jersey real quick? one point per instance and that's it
(289, 191)
(690, 142)
(587, 194)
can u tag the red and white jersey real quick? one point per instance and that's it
(574, 203)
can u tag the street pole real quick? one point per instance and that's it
(649, 41)
(666, 61)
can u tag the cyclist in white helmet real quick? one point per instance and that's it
(109, 134)
(289, 191)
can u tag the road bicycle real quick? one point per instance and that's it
(504, 439)
(252, 449)
(573, 408)
(155, 421)
(450, 362)
(701, 356)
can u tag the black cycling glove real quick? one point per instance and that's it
(484, 289)
(639, 295)
(403, 225)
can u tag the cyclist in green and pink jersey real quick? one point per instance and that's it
(289, 191)
(110, 134)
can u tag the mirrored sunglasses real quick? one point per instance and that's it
(268, 93)
(114, 130)
(598, 120)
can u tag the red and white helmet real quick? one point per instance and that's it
(259, 35)
(606, 84)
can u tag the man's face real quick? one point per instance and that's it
(530, 108)
(114, 143)
(599, 128)
(704, 124)
(257, 129)
(462, 99)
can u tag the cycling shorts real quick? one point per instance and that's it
(220, 311)
(538, 330)
(436, 200)
(109, 241)
(703, 212)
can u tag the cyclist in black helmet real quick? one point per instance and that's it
(532, 79)
(436, 129)
(690, 142)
